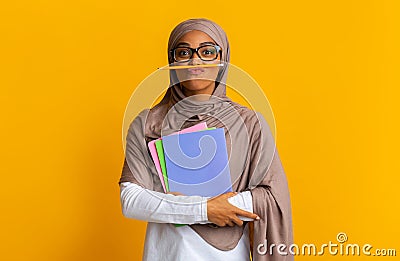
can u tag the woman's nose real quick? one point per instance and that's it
(195, 60)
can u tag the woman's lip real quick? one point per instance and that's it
(195, 70)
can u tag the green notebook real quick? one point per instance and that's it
(161, 158)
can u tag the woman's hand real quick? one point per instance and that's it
(222, 213)
(175, 193)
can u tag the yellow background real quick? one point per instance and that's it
(329, 68)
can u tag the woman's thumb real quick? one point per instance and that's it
(230, 194)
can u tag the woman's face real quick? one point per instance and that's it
(200, 80)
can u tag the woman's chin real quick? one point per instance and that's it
(200, 86)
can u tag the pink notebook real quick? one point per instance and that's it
(153, 151)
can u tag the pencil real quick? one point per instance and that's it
(190, 66)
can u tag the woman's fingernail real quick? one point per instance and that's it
(257, 218)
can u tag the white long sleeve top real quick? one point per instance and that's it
(164, 241)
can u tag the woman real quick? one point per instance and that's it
(218, 227)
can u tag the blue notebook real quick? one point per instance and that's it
(197, 163)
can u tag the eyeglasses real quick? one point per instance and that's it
(205, 53)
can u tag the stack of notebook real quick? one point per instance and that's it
(193, 161)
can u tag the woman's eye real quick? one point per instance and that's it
(183, 53)
(209, 52)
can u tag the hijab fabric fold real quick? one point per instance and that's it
(253, 159)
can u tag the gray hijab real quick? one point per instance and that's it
(253, 160)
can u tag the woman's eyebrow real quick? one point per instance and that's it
(187, 44)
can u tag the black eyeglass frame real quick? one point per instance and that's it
(196, 50)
